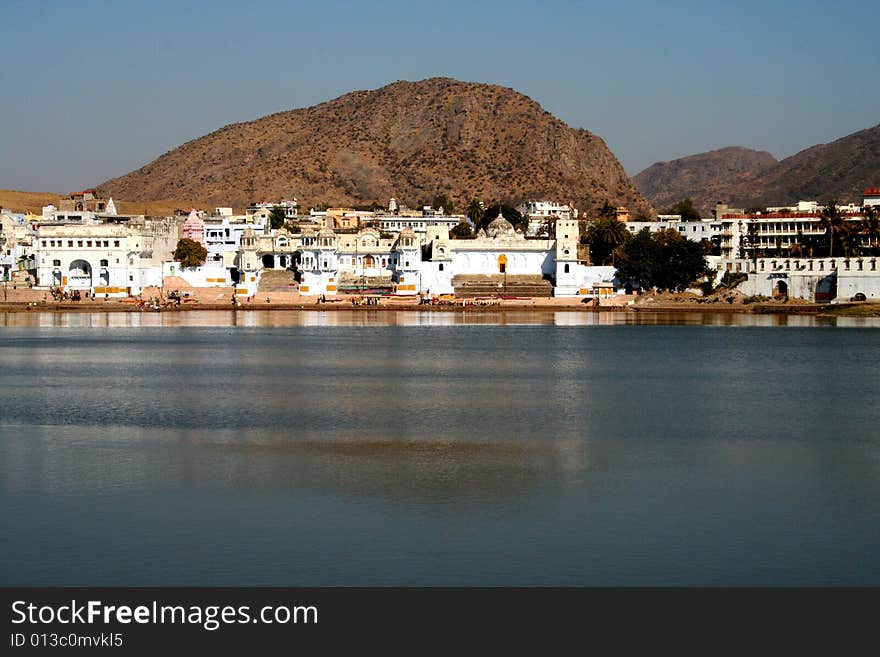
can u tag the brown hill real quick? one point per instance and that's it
(839, 170)
(35, 201)
(410, 140)
(666, 183)
(16, 201)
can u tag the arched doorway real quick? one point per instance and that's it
(782, 288)
(79, 275)
(369, 262)
(268, 261)
(502, 264)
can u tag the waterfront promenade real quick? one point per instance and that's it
(196, 299)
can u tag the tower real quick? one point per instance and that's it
(408, 263)
(566, 258)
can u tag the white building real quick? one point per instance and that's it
(408, 265)
(542, 214)
(813, 279)
(397, 223)
(262, 211)
(705, 229)
(108, 259)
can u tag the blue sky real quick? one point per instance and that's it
(94, 89)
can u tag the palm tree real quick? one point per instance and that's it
(604, 236)
(833, 222)
(475, 212)
(870, 225)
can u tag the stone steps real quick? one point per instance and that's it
(275, 280)
(348, 279)
(495, 284)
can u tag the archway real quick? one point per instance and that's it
(79, 275)
(268, 261)
(782, 288)
(369, 262)
(502, 264)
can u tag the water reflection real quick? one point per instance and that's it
(381, 452)
(506, 317)
(442, 477)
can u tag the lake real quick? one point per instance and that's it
(404, 448)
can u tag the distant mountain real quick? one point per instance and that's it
(839, 170)
(666, 183)
(409, 140)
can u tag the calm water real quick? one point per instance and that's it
(404, 448)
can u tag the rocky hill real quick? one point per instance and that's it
(839, 170)
(410, 140)
(666, 183)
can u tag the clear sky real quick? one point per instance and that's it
(92, 89)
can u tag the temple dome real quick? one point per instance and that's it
(500, 227)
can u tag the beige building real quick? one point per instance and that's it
(112, 259)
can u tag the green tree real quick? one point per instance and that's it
(686, 209)
(664, 260)
(833, 221)
(681, 263)
(277, 217)
(637, 259)
(604, 236)
(443, 201)
(870, 227)
(748, 243)
(462, 230)
(190, 253)
(508, 212)
(475, 211)
(606, 210)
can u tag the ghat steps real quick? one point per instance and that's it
(498, 284)
(276, 280)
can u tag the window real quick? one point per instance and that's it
(440, 268)
(70, 244)
(107, 243)
(56, 263)
(104, 263)
(79, 243)
(566, 269)
(115, 242)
